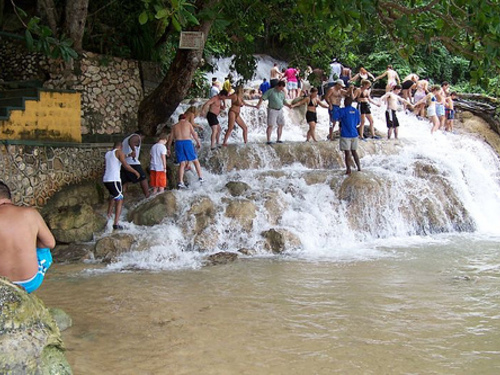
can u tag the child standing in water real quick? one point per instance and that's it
(158, 168)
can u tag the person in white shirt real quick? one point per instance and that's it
(158, 166)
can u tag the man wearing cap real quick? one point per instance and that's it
(275, 116)
(334, 97)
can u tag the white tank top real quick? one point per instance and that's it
(113, 166)
(127, 150)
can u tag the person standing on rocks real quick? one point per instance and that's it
(115, 162)
(212, 110)
(275, 115)
(350, 119)
(25, 243)
(131, 147)
(158, 166)
(182, 133)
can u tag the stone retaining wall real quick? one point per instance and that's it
(36, 172)
(111, 87)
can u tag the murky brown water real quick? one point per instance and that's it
(427, 310)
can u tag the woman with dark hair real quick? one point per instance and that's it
(312, 102)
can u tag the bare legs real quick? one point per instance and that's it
(347, 155)
(214, 139)
(269, 131)
(118, 204)
(232, 118)
(311, 133)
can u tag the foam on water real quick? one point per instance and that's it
(314, 213)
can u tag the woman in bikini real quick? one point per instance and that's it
(312, 102)
(430, 101)
(362, 96)
(362, 75)
(234, 114)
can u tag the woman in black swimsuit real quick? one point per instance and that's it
(362, 96)
(312, 102)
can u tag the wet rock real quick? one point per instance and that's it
(73, 252)
(91, 193)
(221, 258)
(155, 210)
(280, 240)
(243, 211)
(357, 186)
(74, 223)
(245, 251)
(62, 319)
(108, 248)
(316, 177)
(204, 212)
(275, 206)
(29, 337)
(205, 241)
(237, 188)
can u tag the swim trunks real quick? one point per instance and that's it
(184, 151)
(334, 114)
(291, 85)
(391, 118)
(127, 176)
(311, 116)
(115, 189)
(392, 83)
(348, 144)
(275, 117)
(450, 113)
(364, 108)
(158, 179)
(407, 84)
(212, 119)
(439, 110)
(274, 82)
(44, 262)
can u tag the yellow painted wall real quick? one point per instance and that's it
(55, 117)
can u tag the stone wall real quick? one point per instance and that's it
(36, 172)
(111, 88)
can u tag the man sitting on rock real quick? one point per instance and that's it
(25, 243)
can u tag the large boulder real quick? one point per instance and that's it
(30, 340)
(223, 257)
(275, 206)
(73, 252)
(153, 211)
(237, 188)
(74, 223)
(109, 248)
(242, 211)
(203, 211)
(280, 240)
(91, 193)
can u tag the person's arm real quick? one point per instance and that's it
(121, 156)
(263, 97)
(356, 93)
(381, 76)
(323, 104)
(133, 142)
(423, 100)
(44, 237)
(164, 161)
(355, 78)
(397, 78)
(204, 109)
(195, 136)
(370, 75)
(300, 102)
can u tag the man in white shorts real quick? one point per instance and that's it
(275, 116)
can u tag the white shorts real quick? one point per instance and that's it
(292, 85)
(431, 111)
(275, 117)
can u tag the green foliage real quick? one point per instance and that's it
(199, 87)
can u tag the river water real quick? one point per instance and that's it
(429, 307)
(396, 298)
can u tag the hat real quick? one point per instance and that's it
(340, 82)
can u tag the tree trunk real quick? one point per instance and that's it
(162, 102)
(50, 11)
(75, 18)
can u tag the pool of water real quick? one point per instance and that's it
(427, 308)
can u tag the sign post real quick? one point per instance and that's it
(191, 40)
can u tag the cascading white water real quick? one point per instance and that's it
(325, 223)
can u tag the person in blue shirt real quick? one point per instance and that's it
(264, 86)
(349, 118)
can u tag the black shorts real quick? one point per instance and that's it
(115, 189)
(274, 82)
(364, 108)
(127, 176)
(311, 116)
(391, 119)
(212, 119)
(407, 84)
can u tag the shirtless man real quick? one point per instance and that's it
(212, 109)
(182, 133)
(392, 98)
(275, 75)
(409, 83)
(450, 111)
(392, 78)
(334, 97)
(25, 243)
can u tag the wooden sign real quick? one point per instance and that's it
(191, 40)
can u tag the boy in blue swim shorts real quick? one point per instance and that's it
(21, 229)
(183, 133)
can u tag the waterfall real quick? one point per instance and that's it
(412, 189)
